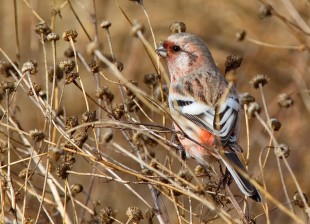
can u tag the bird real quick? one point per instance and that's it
(204, 105)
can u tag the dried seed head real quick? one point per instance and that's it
(94, 66)
(136, 27)
(153, 163)
(52, 37)
(3, 147)
(62, 170)
(150, 79)
(107, 136)
(253, 108)
(200, 170)
(139, 2)
(23, 173)
(119, 65)
(158, 93)
(134, 214)
(131, 105)
(128, 91)
(106, 215)
(67, 65)
(146, 172)
(118, 111)
(59, 73)
(177, 27)
(71, 122)
(30, 67)
(259, 80)
(91, 47)
(6, 68)
(275, 124)
(80, 139)
(37, 89)
(89, 116)
(69, 159)
(285, 100)
(69, 52)
(29, 220)
(252, 221)
(265, 11)
(150, 213)
(70, 77)
(282, 150)
(139, 139)
(185, 174)
(246, 99)
(105, 94)
(70, 34)
(42, 28)
(232, 63)
(298, 201)
(76, 188)
(241, 35)
(6, 86)
(55, 153)
(36, 135)
(105, 24)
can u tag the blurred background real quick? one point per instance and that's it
(270, 46)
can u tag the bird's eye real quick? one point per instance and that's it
(176, 48)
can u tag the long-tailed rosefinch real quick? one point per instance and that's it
(204, 105)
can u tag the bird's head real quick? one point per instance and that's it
(185, 53)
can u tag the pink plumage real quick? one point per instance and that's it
(203, 105)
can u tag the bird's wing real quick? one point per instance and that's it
(219, 121)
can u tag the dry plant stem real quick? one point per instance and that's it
(95, 159)
(2, 194)
(264, 44)
(33, 11)
(9, 177)
(264, 104)
(26, 183)
(223, 214)
(149, 23)
(77, 70)
(235, 203)
(153, 56)
(247, 136)
(261, 167)
(190, 210)
(287, 22)
(46, 72)
(94, 20)
(139, 93)
(16, 30)
(286, 164)
(174, 200)
(267, 154)
(283, 184)
(43, 190)
(50, 180)
(79, 21)
(54, 91)
(296, 16)
(278, 162)
(72, 201)
(65, 203)
(24, 139)
(144, 113)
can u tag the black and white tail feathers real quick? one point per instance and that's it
(244, 185)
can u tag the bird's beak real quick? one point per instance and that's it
(161, 50)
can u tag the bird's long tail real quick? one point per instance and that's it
(244, 185)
